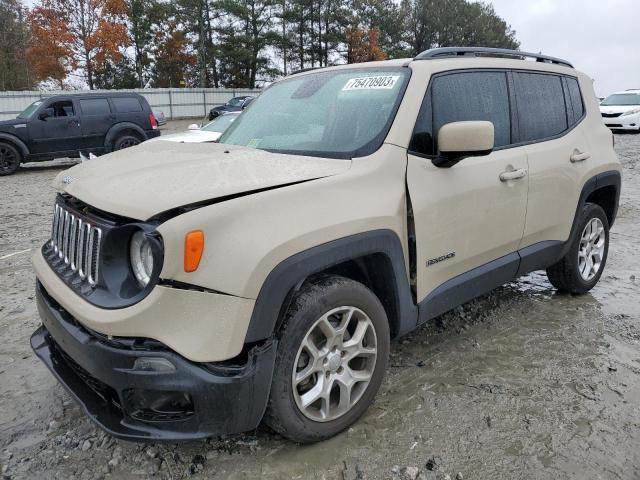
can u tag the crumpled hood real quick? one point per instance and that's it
(154, 177)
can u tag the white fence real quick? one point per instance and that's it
(174, 102)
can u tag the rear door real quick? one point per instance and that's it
(465, 216)
(97, 118)
(549, 106)
(55, 128)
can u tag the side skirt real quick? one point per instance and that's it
(487, 277)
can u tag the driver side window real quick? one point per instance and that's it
(463, 96)
(63, 108)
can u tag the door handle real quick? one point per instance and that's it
(513, 175)
(578, 156)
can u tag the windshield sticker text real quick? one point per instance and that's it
(371, 83)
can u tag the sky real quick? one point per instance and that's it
(600, 37)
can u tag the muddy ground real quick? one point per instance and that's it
(522, 383)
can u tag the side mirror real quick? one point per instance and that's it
(43, 115)
(194, 126)
(459, 140)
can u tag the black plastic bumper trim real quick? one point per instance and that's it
(223, 404)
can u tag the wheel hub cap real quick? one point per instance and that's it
(591, 250)
(334, 364)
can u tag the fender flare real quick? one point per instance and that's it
(113, 132)
(288, 276)
(8, 138)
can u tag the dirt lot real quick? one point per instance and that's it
(522, 383)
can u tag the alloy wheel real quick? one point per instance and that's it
(591, 250)
(334, 364)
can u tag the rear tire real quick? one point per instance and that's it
(581, 268)
(125, 141)
(10, 159)
(334, 346)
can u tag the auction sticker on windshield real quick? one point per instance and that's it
(371, 83)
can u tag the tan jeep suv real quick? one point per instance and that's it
(190, 290)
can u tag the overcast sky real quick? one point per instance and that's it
(600, 37)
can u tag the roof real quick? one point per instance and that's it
(102, 94)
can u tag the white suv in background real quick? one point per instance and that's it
(621, 111)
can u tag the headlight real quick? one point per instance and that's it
(141, 258)
(631, 112)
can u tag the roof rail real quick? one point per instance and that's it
(436, 53)
(303, 70)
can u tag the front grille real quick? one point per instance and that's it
(76, 242)
(611, 115)
(614, 125)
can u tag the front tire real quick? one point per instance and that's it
(332, 357)
(10, 159)
(580, 269)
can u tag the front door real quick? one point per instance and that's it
(55, 128)
(467, 218)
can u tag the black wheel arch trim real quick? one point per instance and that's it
(16, 142)
(116, 129)
(287, 277)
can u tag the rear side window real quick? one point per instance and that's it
(460, 97)
(575, 100)
(541, 106)
(126, 104)
(95, 106)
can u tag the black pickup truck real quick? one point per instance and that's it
(65, 125)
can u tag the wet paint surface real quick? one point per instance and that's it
(521, 383)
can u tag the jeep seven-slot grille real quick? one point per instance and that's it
(76, 243)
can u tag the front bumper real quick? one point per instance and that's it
(629, 122)
(188, 401)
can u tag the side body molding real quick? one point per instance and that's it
(273, 298)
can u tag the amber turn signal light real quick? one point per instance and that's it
(193, 247)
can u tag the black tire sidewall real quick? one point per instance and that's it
(589, 212)
(18, 159)
(117, 144)
(314, 301)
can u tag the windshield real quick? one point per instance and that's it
(339, 113)
(622, 99)
(220, 124)
(235, 102)
(30, 110)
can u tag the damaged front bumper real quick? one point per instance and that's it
(141, 390)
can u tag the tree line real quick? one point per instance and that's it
(223, 43)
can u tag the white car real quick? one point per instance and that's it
(621, 111)
(209, 133)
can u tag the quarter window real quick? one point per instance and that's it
(542, 112)
(95, 106)
(575, 99)
(464, 96)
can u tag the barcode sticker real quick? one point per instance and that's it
(371, 83)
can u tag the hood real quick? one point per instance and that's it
(190, 136)
(617, 108)
(154, 177)
(9, 125)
